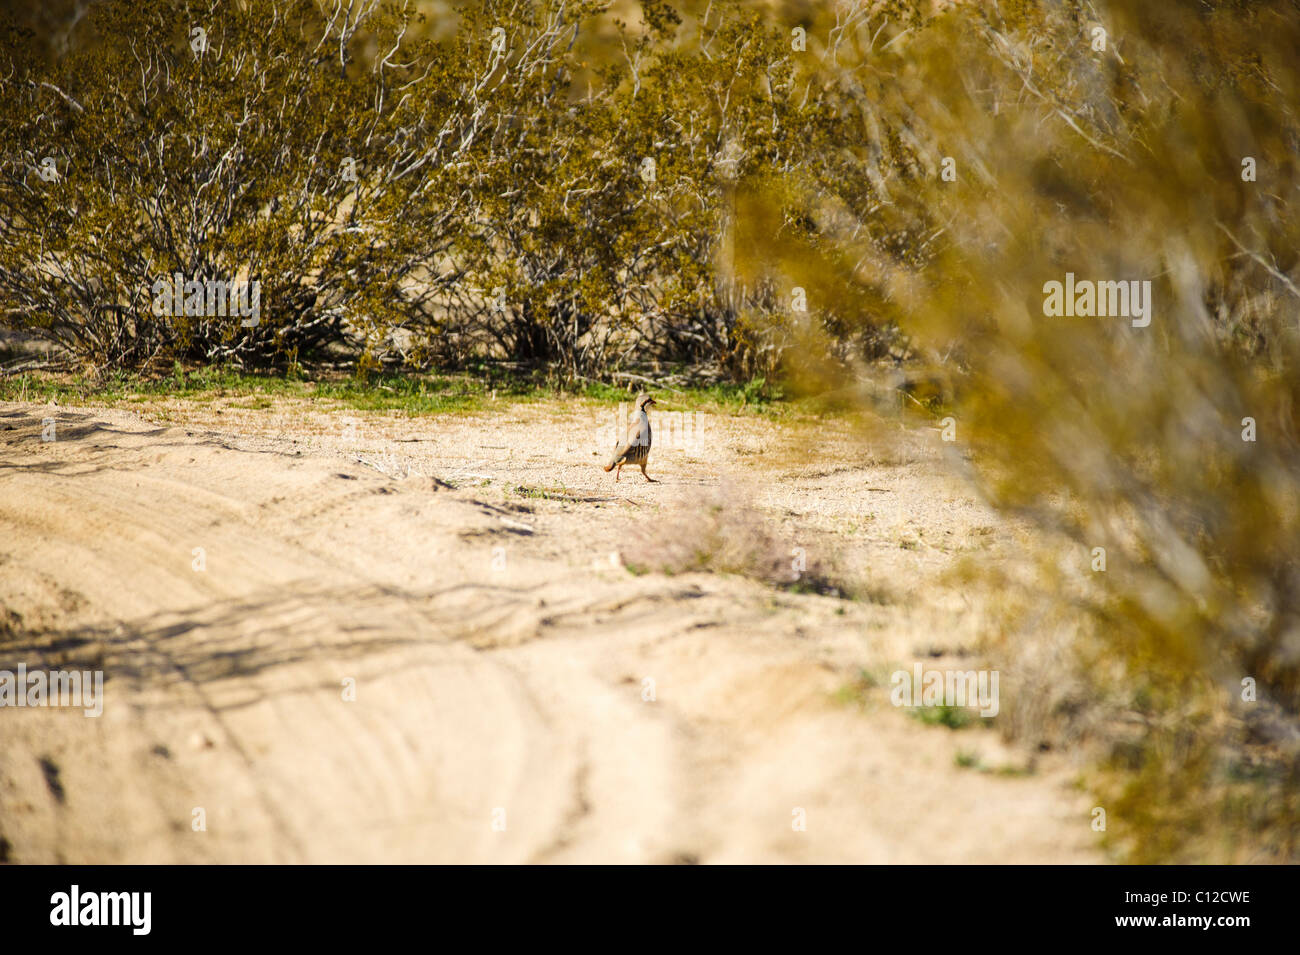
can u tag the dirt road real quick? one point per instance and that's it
(316, 646)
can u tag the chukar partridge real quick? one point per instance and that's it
(635, 448)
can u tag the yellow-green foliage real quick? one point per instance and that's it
(501, 205)
(1122, 163)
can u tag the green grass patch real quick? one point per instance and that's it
(968, 759)
(953, 717)
(866, 684)
(758, 397)
(413, 393)
(542, 493)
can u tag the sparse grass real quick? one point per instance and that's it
(544, 493)
(862, 687)
(1014, 771)
(969, 759)
(412, 393)
(753, 397)
(953, 717)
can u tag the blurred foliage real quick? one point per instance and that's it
(1115, 161)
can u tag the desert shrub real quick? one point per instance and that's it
(718, 532)
(535, 182)
(1173, 444)
(224, 154)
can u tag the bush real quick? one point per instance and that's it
(507, 186)
(1174, 444)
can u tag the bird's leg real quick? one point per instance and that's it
(617, 472)
(646, 476)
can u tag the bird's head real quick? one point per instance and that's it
(644, 401)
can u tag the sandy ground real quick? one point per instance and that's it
(520, 696)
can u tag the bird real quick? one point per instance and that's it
(635, 448)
